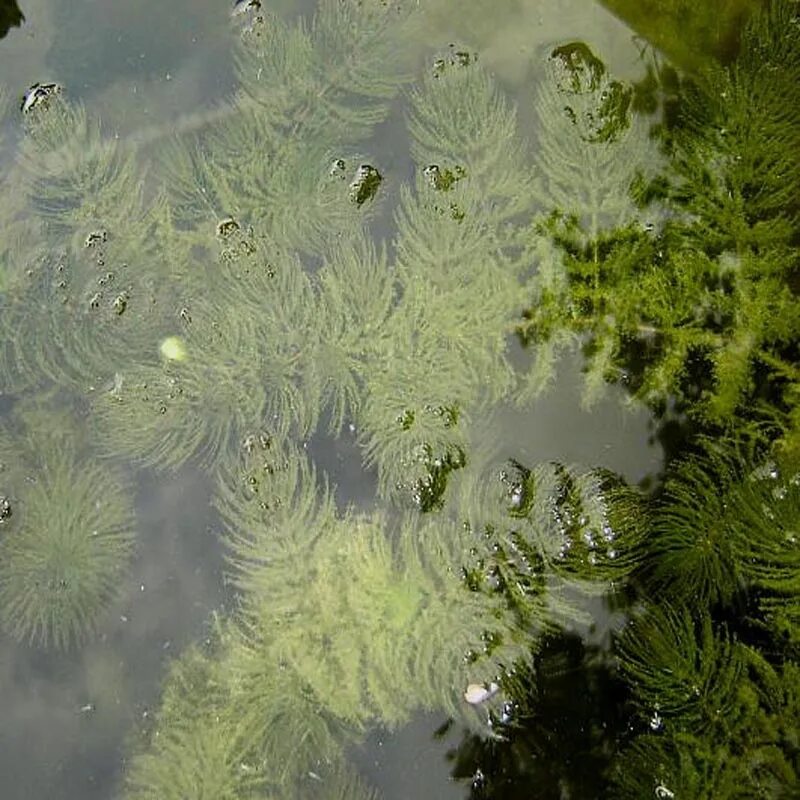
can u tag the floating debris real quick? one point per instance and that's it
(443, 180)
(38, 95)
(227, 227)
(365, 184)
(248, 10)
(5, 509)
(242, 7)
(96, 238)
(337, 168)
(120, 303)
(455, 58)
(478, 693)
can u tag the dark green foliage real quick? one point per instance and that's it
(713, 668)
(703, 306)
(567, 715)
(690, 34)
(66, 541)
(723, 722)
(724, 527)
(683, 674)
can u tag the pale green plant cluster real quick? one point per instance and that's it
(66, 535)
(241, 303)
(350, 620)
(399, 346)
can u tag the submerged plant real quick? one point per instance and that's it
(374, 621)
(89, 280)
(241, 356)
(308, 93)
(65, 540)
(547, 535)
(195, 750)
(200, 744)
(457, 271)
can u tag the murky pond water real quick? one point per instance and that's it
(328, 421)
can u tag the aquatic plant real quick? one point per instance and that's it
(88, 282)
(457, 272)
(719, 720)
(355, 300)
(462, 127)
(306, 90)
(567, 708)
(548, 534)
(195, 749)
(374, 621)
(590, 144)
(688, 34)
(724, 527)
(199, 744)
(704, 307)
(72, 173)
(683, 673)
(590, 148)
(338, 782)
(67, 538)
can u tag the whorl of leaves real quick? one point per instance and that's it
(67, 536)
(547, 529)
(718, 720)
(704, 308)
(725, 526)
(375, 621)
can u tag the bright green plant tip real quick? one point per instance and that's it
(173, 348)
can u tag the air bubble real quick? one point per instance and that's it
(656, 722)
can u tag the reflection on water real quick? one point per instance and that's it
(315, 461)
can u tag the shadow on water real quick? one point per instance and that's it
(10, 16)
(570, 723)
